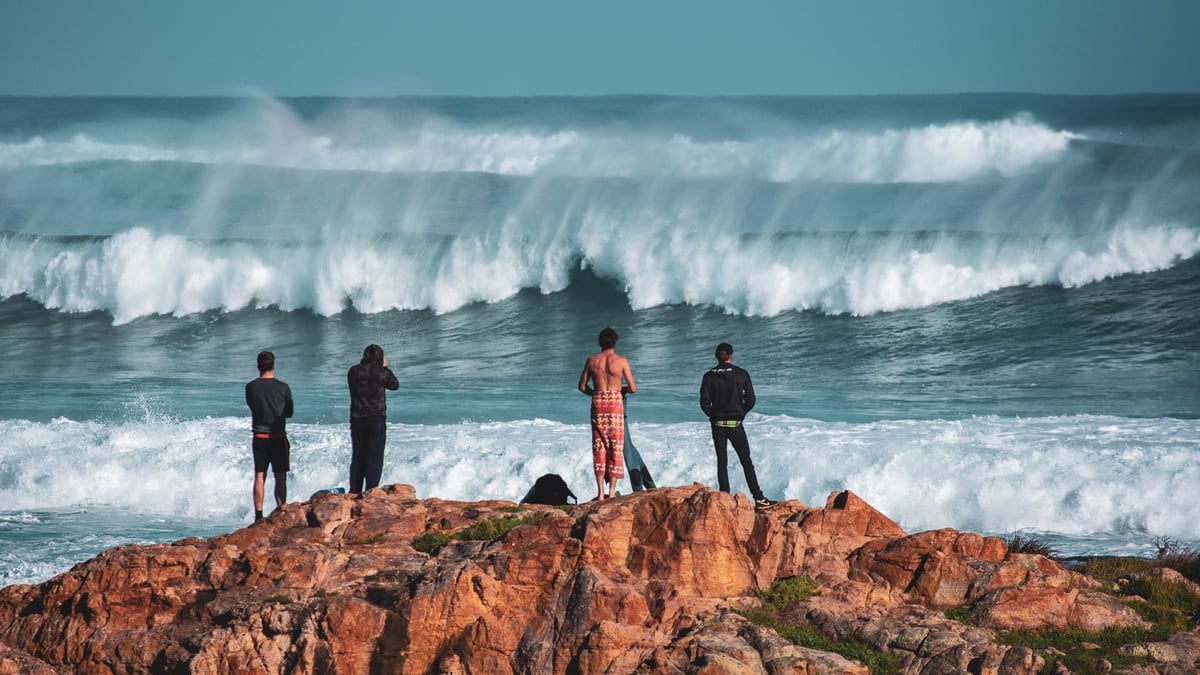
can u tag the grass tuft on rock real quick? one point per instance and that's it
(1112, 568)
(962, 615)
(1081, 651)
(1171, 555)
(788, 592)
(484, 530)
(430, 541)
(1028, 544)
(1167, 594)
(1168, 605)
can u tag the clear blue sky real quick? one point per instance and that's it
(526, 47)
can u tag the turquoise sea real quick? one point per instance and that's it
(975, 311)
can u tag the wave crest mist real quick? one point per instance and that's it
(756, 207)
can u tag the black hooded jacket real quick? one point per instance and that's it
(368, 381)
(726, 393)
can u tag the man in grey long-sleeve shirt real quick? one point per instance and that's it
(270, 402)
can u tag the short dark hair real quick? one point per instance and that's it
(266, 362)
(724, 349)
(608, 338)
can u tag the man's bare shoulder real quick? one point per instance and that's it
(614, 359)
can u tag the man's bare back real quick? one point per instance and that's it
(606, 377)
(607, 371)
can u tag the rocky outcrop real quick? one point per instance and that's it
(644, 583)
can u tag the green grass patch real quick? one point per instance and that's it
(1111, 568)
(1168, 594)
(1169, 619)
(487, 530)
(1186, 561)
(484, 530)
(962, 615)
(367, 540)
(280, 598)
(511, 509)
(788, 592)
(1078, 659)
(1168, 606)
(430, 541)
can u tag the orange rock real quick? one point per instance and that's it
(641, 583)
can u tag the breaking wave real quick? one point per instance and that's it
(138, 272)
(276, 137)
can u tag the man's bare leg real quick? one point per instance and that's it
(612, 487)
(280, 490)
(599, 487)
(260, 480)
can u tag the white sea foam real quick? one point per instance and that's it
(1082, 479)
(139, 272)
(276, 137)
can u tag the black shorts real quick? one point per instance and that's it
(272, 452)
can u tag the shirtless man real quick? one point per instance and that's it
(606, 377)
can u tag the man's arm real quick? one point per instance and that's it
(747, 393)
(287, 405)
(583, 381)
(389, 380)
(705, 397)
(627, 373)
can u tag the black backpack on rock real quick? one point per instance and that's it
(549, 489)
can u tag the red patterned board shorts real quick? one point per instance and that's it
(608, 434)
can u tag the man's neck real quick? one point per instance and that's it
(269, 375)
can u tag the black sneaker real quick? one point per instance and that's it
(763, 504)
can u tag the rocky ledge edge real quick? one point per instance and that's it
(651, 582)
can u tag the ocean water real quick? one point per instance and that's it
(976, 312)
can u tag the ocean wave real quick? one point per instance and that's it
(140, 273)
(934, 153)
(1074, 475)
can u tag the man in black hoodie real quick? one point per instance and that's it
(726, 395)
(368, 417)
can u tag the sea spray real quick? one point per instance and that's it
(139, 273)
(974, 311)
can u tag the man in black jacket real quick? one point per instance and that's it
(726, 395)
(368, 417)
